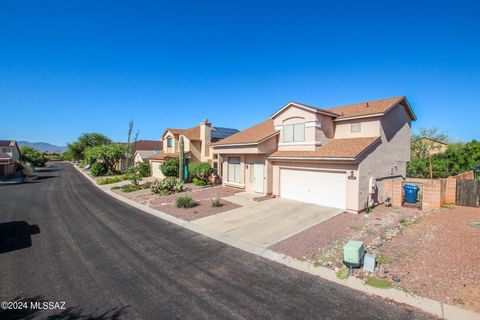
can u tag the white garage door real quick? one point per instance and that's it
(317, 187)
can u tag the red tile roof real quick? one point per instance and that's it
(366, 108)
(162, 155)
(149, 145)
(255, 134)
(335, 148)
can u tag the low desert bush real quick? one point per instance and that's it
(109, 180)
(199, 182)
(185, 201)
(216, 202)
(378, 283)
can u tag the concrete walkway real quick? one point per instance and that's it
(267, 222)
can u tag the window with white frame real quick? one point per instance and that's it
(234, 169)
(294, 132)
(356, 127)
(169, 142)
(5, 150)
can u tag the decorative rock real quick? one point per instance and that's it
(396, 278)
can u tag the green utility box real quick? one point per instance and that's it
(353, 253)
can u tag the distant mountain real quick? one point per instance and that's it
(42, 146)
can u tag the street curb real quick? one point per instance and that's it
(433, 307)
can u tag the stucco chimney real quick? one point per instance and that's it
(206, 136)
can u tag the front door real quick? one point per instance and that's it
(258, 177)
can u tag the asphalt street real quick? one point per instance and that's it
(63, 240)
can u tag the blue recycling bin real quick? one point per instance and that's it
(411, 191)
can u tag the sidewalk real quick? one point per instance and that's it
(433, 307)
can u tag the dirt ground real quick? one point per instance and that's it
(202, 195)
(439, 257)
(433, 254)
(308, 244)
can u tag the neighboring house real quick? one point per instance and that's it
(197, 145)
(146, 148)
(336, 157)
(9, 157)
(142, 150)
(434, 146)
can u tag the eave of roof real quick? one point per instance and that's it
(348, 149)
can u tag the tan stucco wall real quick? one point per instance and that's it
(318, 128)
(137, 159)
(156, 169)
(351, 185)
(175, 142)
(369, 128)
(267, 147)
(388, 160)
(246, 161)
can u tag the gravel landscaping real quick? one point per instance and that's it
(428, 253)
(203, 195)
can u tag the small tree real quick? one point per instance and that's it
(170, 168)
(143, 169)
(109, 154)
(181, 159)
(425, 143)
(32, 156)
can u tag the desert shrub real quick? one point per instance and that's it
(216, 202)
(185, 201)
(156, 187)
(199, 182)
(131, 187)
(109, 180)
(378, 283)
(143, 169)
(172, 184)
(99, 169)
(133, 176)
(170, 168)
(342, 274)
(167, 186)
(200, 171)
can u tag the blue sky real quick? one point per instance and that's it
(68, 67)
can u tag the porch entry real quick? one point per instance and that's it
(257, 177)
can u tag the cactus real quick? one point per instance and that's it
(181, 159)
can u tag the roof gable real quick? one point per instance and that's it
(252, 135)
(303, 107)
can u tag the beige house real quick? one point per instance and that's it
(146, 148)
(336, 157)
(197, 145)
(9, 157)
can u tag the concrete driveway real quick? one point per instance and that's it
(268, 222)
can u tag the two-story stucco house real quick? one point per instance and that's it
(9, 157)
(197, 145)
(336, 157)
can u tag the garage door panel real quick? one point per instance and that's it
(317, 187)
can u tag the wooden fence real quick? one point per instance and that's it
(468, 193)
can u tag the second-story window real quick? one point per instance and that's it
(356, 127)
(6, 150)
(294, 132)
(169, 142)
